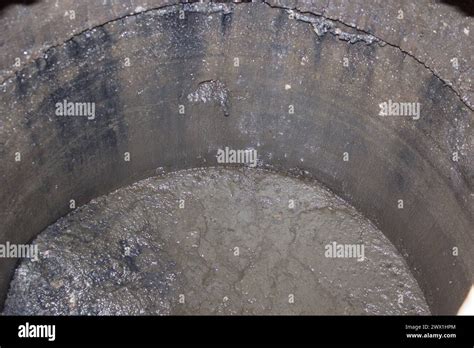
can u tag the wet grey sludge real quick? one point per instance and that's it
(213, 241)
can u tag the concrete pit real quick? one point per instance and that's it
(108, 115)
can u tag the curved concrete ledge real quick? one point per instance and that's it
(139, 72)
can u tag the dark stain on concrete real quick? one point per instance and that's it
(226, 22)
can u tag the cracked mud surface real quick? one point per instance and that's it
(141, 248)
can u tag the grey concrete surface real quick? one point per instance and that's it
(215, 241)
(433, 32)
(271, 62)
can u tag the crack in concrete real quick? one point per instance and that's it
(322, 25)
(320, 21)
(329, 23)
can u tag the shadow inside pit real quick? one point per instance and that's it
(465, 6)
(6, 3)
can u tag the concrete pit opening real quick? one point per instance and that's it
(235, 158)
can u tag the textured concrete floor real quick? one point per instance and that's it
(221, 241)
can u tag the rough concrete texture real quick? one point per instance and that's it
(214, 241)
(304, 98)
(436, 33)
(439, 34)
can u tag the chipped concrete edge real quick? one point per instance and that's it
(321, 24)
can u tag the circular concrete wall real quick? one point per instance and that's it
(171, 86)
